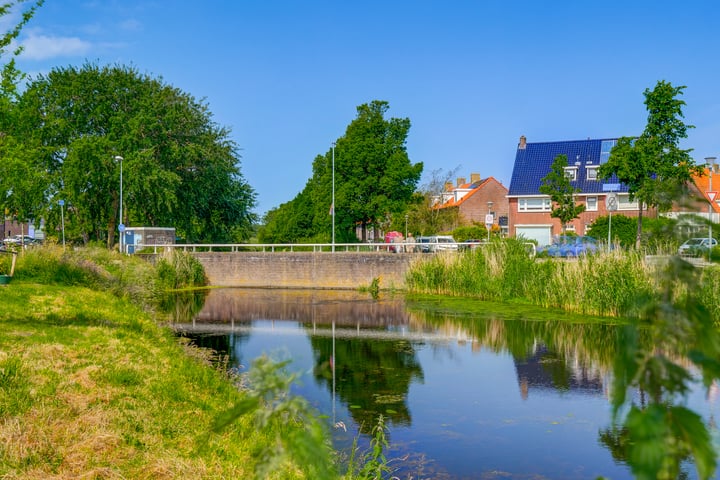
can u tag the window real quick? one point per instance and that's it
(571, 173)
(534, 204)
(592, 172)
(624, 203)
(591, 204)
(605, 148)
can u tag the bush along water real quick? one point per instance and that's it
(605, 284)
(99, 268)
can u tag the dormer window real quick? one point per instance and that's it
(592, 172)
(571, 173)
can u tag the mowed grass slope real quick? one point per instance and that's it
(92, 387)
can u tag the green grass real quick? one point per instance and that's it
(91, 386)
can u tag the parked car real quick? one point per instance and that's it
(437, 243)
(693, 247)
(570, 246)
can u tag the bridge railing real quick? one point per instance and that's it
(404, 247)
(407, 247)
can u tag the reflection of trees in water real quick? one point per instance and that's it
(183, 306)
(559, 354)
(372, 377)
(222, 344)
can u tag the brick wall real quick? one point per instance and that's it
(305, 269)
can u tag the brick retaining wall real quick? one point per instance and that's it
(305, 269)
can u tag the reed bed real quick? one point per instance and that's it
(611, 284)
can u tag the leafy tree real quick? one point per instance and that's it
(653, 166)
(19, 198)
(180, 168)
(622, 229)
(423, 216)
(562, 193)
(374, 183)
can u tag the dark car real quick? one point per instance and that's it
(469, 244)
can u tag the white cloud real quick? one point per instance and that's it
(43, 47)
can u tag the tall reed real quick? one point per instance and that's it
(607, 284)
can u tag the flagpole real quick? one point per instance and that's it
(333, 197)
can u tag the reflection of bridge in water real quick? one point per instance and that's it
(350, 314)
(360, 331)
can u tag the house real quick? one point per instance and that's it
(693, 211)
(529, 210)
(476, 200)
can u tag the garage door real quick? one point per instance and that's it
(540, 233)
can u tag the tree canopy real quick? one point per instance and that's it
(562, 193)
(374, 182)
(653, 166)
(14, 198)
(180, 169)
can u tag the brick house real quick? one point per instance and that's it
(475, 200)
(529, 210)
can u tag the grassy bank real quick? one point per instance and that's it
(607, 284)
(92, 387)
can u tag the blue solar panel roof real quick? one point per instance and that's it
(534, 162)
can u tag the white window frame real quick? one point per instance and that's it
(594, 175)
(534, 204)
(591, 204)
(571, 173)
(624, 202)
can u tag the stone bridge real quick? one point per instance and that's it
(336, 270)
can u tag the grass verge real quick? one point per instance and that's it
(92, 387)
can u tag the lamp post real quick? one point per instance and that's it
(121, 227)
(406, 219)
(332, 205)
(489, 219)
(711, 166)
(62, 220)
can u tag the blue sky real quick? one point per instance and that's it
(472, 76)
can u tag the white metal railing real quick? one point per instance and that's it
(404, 247)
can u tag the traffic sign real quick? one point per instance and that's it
(489, 219)
(712, 195)
(611, 202)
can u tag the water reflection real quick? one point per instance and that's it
(493, 394)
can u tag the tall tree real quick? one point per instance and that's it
(180, 169)
(557, 184)
(20, 185)
(374, 182)
(653, 166)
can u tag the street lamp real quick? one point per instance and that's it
(489, 220)
(332, 205)
(406, 219)
(711, 196)
(121, 227)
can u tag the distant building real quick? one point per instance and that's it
(475, 200)
(529, 210)
(137, 238)
(9, 228)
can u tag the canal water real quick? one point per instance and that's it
(491, 393)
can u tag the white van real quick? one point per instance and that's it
(437, 243)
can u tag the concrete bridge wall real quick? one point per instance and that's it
(349, 270)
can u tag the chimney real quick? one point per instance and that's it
(460, 181)
(523, 142)
(448, 186)
(474, 177)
